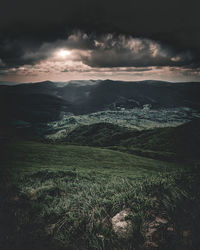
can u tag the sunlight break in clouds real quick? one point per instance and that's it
(63, 53)
(83, 56)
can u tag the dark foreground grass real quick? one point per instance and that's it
(64, 197)
(72, 210)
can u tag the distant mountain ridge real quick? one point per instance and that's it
(45, 101)
(7, 83)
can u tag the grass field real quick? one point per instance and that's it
(28, 156)
(64, 197)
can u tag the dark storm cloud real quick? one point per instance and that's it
(106, 50)
(31, 30)
(90, 52)
(175, 21)
(12, 51)
(22, 51)
(126, 51)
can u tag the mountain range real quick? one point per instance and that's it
(48, 101)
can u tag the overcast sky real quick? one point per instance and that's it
(89, 39)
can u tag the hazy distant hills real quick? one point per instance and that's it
(137, 94)
(30, 102)
(44, 101)
(8, 83)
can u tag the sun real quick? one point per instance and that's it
(63, 53)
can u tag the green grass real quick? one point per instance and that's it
(26, 156)
(73, 210)
(63, 197)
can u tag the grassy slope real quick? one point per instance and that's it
(69, 194)
(32, 156)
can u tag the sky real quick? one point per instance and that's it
(89, 39)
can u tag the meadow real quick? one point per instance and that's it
(57, 196)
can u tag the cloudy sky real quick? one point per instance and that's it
(89, 39)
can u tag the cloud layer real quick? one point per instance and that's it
(81, 52)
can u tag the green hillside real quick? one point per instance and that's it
(100, 134)
(63, 197)
(184, 139)
(29, 156)
(182, 142)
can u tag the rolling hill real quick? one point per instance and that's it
(183, 141)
